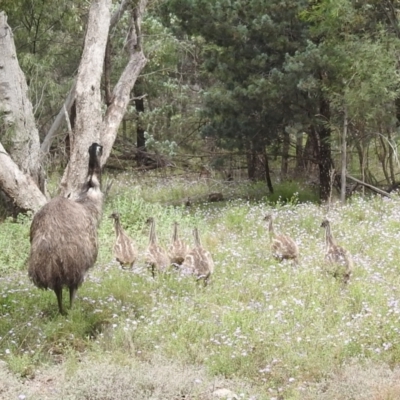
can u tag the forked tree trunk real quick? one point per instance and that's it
(90, 125)
(122, 90)
(58, 122)
(87, 96)
(20, 171)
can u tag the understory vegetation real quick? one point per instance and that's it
(262, 329)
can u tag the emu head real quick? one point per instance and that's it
(268, 217)
(94, 170)
(325, 223)
(115, 216)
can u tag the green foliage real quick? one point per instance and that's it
(15, 251)
(246, 41)
(165, 147)
(292, 192)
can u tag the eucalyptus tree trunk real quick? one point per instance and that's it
(122, 90)
(20, 170)
(91, 125)
(88, 96)
(390, 158)
(70, 99)
(257, 163)
(140, 139)
(344, 158)
(361, 159)
(324, 153)
(20, 175)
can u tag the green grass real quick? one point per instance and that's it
(264, 329)
(292, 192)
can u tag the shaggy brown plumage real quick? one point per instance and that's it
(157, 258)
(198, 261)
(337, 256)
(283, 247)
(63, 235)
(124, 247)
(178, 248)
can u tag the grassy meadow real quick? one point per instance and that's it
(262, 329)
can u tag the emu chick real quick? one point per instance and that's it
(124, 247)
(178, 249)
(157, 258)
(283, 247)
(198, 261)
(338, 257)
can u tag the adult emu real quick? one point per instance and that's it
(63, 235)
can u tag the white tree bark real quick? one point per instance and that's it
(89, 125)
(344, 158)
(123, 88)
(20, 173)
(22, 137)
(58, 122)
(87, 96)
(19, 186)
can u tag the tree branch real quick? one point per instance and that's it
(18, 186)
(122, 90)
(48, 140)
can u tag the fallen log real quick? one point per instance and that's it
(375, 189)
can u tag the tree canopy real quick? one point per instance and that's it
(259, 79)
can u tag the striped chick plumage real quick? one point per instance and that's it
(178, 248)
(338, 257)
(157, 258)
(198, 261)
(124, 247)
(283, 247)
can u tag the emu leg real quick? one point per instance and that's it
(58, 292)
(72, 294)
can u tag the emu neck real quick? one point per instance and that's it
(175, 234)
(92, 200)
(153, 237)
(329, 241)
(94, 169)
(196, 237)
(271, 228)
(117, 226)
